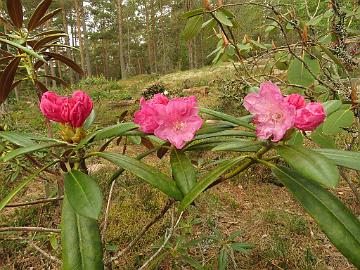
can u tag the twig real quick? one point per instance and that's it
(33, 245)
(107, 211)
(168, 235)
(44, 253)
(34, 202)
(143, 231)
(29, 229)
(351, 185)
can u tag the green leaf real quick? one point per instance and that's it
(213, 128)
(347, 159)
(241, 247)
(91, 118)
(222, 259)
(207, 144)
(114, 131)
(182, 170)
(315, 21)
(221, 16)
(16, 138)
(296, 139)
(310, 164)
(337, 121)
(53, 242)
(207, 180)
(322, 139)
(336, 221)
(192, 13)
(193, 27)
(80, 240)
(149, 174)
(239, 146)
(23, 184)
(83, 193)
(26, 150)
(299, 75)
(27, 50)
(332, 106)
(229, 118)
(226, 133)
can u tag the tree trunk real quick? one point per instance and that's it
(67, 39)
(148, 37)
(78, 4)
(86, 42)
(121, 39)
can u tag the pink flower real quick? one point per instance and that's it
(310, 117)
(50, 106)
(73, 110)
(81, 106)
(179, 121)
(147, 116)
(273, 115)
(296, 100)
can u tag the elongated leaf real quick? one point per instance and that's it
(206, 181)
(193, 27)
(49, 32)
(347, 159)
(208, 144)
(47, 39)
(322, 139)
(83, 193)
(241, 247)
(332, 106)
(239, 146)
(222, 259)
(57, 79)
(15, 11)
(7, 78)
(337, 121)
(80, 240)
(26, 150)
(310, 164)
(16, 138)
(47, 17)
(299, 74)
(192, 13)
(212, 128)
(145, 172)
(6, 59)
(221, 16)
(23, 184)
(182, 170)
(336, 221)
(296, 139)
(27, 50)
(114, 131)
(91, 118)
(226, 133)
(228, 118)
(38, 14)
(67, 61)
(41, 87)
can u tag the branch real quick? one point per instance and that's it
(107, 210)
(34, 202)
(168, 235)
(29, 229)
(44, 253)
(143, 231)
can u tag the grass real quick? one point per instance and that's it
(283, 235)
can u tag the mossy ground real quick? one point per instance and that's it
(284, 236)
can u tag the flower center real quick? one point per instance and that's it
(277, 116)
(179, 125)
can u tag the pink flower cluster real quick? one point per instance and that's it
(275, 114)
(174, 120)
(67, 110)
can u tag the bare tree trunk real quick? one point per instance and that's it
(86, 42)
(148, 37)
(78, 4)
(67, 38)
(121, 39)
